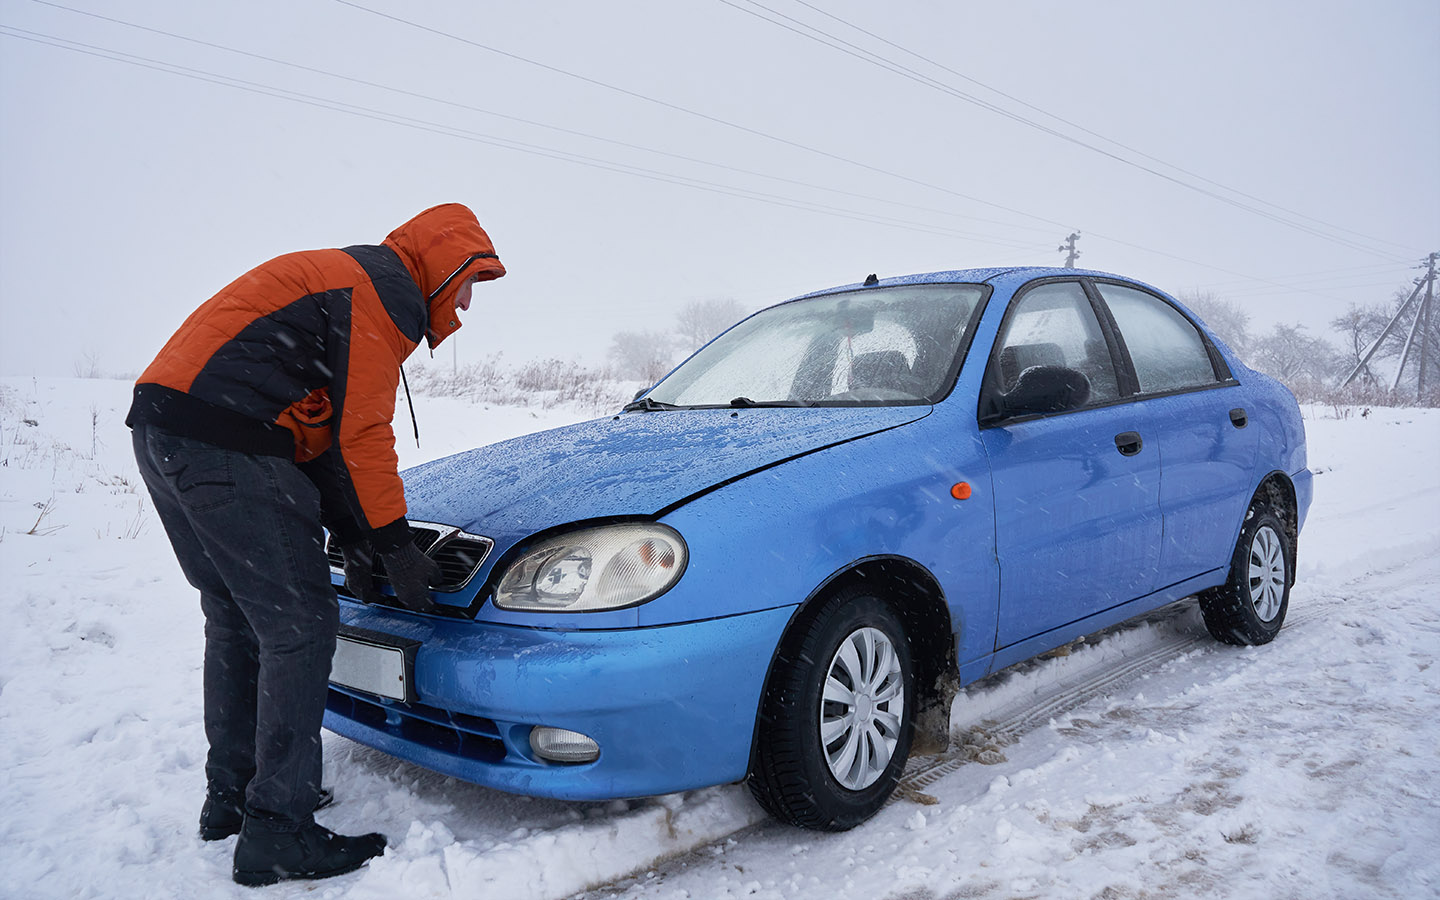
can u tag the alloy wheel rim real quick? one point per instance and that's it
(861, 708)
(1267, 573)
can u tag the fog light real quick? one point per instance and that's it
(563, 745)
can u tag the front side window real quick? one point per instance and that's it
(881, 346)
(1054, 325)
(1167, 351)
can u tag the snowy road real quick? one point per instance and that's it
(1150, 762)
(1303, 770)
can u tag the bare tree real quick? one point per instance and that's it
(88, 365)
(643, 355)
(700, 320)
(1363, 326)
(1294, 356)
(1358, 328)
(1227, 320)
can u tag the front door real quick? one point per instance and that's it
(1077, 508)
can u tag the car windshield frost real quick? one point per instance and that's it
(880, 346)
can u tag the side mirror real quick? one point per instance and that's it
(639, 392)
(1045, 389)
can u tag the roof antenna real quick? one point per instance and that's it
(871, 280)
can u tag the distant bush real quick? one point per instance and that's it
(544, 383)
(1364, 394)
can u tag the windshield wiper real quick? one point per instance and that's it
(647, 405)
(747, 403)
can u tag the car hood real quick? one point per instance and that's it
(634, 464)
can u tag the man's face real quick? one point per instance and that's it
(462, 299)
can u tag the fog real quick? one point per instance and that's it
(631, 158)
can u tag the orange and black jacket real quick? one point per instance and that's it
(300, 358)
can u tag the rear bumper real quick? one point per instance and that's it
(672, 708)
(1304, 482)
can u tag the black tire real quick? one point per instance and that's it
(791, 773)
(1248, 610)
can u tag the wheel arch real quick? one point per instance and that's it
(1277, 492)
(916, 598)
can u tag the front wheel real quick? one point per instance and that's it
(836, 721)
(1250, 606)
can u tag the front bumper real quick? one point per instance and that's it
(672, 707)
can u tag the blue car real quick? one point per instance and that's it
(780, 562)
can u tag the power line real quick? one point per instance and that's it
(663, 103)
(556, 128)
(1248, 278)
(1356, 280)
(590, 161)
(1303, 275)
(834, 42)
(1077, 126)
(1283, 289)
(817, 35)
(691, 112)
(491, 140)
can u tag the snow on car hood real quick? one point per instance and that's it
(635, 464)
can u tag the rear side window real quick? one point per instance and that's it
(1165, 347)
(1054, 325)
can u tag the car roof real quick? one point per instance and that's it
(1013, 274)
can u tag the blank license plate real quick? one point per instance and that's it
(368, 667)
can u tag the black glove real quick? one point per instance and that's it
(411, 574)
(360, 571)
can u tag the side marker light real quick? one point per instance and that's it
(961, 490)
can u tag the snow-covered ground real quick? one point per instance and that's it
(1148, 762)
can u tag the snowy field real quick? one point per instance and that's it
(1149, 762)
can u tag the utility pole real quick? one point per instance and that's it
(1425, 332)
(1069, 248)
(1420, 326)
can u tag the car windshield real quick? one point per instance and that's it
(878, 346)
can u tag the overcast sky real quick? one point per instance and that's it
(630, 157)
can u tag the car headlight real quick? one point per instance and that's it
(606, 567)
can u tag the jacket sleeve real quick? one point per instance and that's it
(364, 437)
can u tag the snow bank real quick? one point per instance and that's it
(1151, 762)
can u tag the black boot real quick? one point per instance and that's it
(265, 854)
(224, 812)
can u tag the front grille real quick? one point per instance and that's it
(458, 553)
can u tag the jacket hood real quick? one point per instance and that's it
(442, 247)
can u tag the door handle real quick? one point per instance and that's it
(1128, 443)
(1238, 418)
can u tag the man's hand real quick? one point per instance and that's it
(360, 571)
(411, 574)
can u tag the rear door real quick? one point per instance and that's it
(1200, 424)
(1077, 517)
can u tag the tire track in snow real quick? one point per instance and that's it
(1012, 722)
(1018, 718)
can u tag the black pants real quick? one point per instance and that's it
(246, 530)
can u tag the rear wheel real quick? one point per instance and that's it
(836, 721)
(1250, 607)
